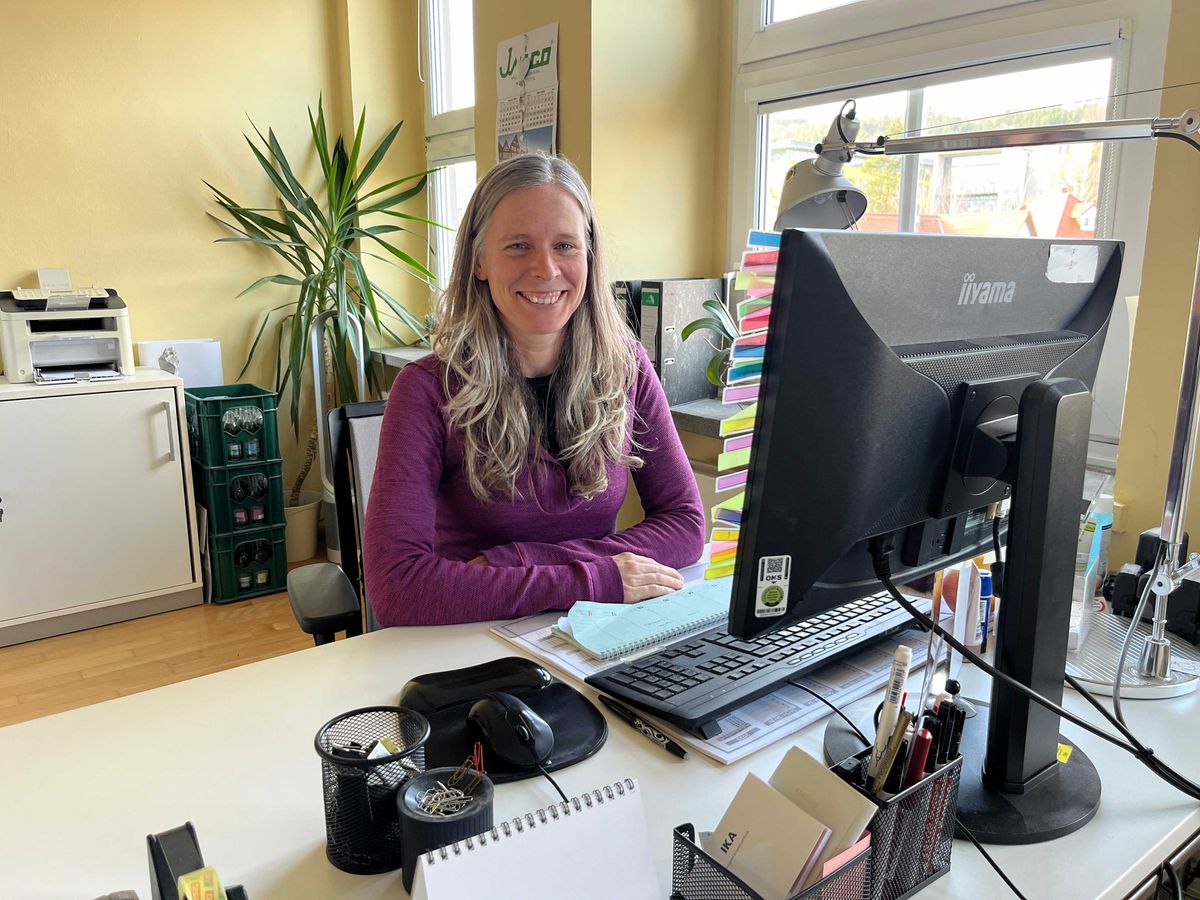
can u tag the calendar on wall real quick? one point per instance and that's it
(527, 93)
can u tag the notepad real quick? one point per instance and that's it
(611, 630)
(592, 847)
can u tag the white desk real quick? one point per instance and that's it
(233, 752)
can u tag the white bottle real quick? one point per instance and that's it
(1104, 515)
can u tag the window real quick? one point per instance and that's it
(782, 10)
(448, 38)
(946, 64)
(1052, 191)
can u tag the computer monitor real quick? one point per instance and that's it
(909, 383)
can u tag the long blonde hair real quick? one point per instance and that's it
(489, 399)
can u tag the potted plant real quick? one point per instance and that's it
(722, 324)
(321, 238)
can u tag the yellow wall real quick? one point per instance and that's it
(655, 115)
(106, 140)
(498, 21)
(643, 112)
(1165, 298)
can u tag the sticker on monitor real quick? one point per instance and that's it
(770, 597)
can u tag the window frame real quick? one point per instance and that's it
(449, 136)
(1137, 30)
(916, 85)
(759, 40)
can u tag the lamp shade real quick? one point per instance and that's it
(812, 199)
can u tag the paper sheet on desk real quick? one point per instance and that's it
(757, 724)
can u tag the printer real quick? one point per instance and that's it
(63, 336)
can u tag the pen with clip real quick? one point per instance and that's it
(629, 716)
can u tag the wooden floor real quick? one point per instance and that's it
(72, 670)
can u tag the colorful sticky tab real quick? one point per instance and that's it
(762, 238)
(737, 442)
(733, 459)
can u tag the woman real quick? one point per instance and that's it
(503, 455)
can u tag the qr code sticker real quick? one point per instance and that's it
(774, 573)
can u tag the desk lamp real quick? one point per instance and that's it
(804, 202)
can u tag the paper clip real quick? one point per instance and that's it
(468, 775)
(443, 801)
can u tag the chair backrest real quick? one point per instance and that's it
(354, 438)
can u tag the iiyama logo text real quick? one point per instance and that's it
(973, 291)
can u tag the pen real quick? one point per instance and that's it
(649, 731)
(892, 705)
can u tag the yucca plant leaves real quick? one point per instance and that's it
(321, 243)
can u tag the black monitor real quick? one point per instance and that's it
(909, 383)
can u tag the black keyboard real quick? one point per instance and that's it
(697, 680)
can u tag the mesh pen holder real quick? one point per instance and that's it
(912, 833)
(362, 826)
(697, 876)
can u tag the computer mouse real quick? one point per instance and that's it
(512, 730)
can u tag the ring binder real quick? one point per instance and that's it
(544, 816)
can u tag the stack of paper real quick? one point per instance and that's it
(757, 280)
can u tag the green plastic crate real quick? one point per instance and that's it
(248, 563)
(239, 498)
(231, 424)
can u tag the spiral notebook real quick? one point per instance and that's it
(611, 630)
(592, 847)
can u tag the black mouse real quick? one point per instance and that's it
(512, 730)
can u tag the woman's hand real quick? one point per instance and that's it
(643, 578)
(480, 560)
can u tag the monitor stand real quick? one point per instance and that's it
(1016, 788)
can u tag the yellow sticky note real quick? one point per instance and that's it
(1064, 752)
(742, 420)
(733, 459)
(719, 571)
(725, 534)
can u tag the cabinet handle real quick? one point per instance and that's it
(173, 452)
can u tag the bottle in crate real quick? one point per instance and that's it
(232, 424)
(248, 564)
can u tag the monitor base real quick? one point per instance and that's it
(1053, 808)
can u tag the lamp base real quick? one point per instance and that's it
(1094, 664)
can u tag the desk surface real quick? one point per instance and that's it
(233, 752)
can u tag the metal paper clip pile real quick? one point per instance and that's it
(455, 795)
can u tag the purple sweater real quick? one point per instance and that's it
(545, 550)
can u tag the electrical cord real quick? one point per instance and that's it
(1173, 877)
(1143, 753)
(1127, 742)
(542, 769)
(1128, 641)
(957, 821)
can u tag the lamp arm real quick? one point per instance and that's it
(1084, 132)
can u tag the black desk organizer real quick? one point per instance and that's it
(697, 876)
(912, 835)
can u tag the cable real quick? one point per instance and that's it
(862, 737)
(1130, 744)
(1180, 137)
(1017, 112)
(1173, 877)
(541, 769)
(883, 573)
(991, 862)
(957, 821)
(1128, 641)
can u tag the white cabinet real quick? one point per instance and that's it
(97, 520)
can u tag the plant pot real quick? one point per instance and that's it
(301, 531)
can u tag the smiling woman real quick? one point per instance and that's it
(503, 456)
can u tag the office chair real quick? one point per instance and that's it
(329, 597)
